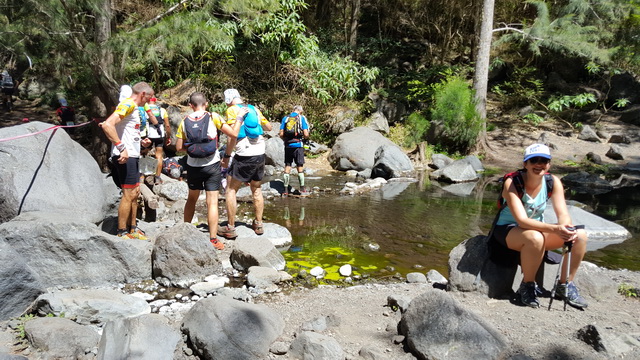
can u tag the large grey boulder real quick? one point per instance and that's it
(601, 232)
(183, 256)
(277, 234)
(274, 154)
(250, 252)
(91, 306)
(470, 269)
(583, 182)
(341, 119)
(356, 149)
(378, 122)
(142, 337)
(60, 338)
(226, 329)
(66, 251)
(57, 176)
(19, 284)
(438, 327)
(390, 162)
(312, 345)
(456, 172)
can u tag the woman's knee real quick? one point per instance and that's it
(533, 238)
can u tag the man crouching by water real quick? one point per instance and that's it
(122, 128)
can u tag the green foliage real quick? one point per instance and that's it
(628, 291)
(533, 118)
(454, 107)
(621, 103)
(23, 320)
(560, 103)
(522, 88)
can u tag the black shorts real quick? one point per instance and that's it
(157, 142)
(247, 168)
(8, 91)
(500, 233)
(204, 178)
(294, 154)
(128, 173)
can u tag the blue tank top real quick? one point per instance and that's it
(533, 206)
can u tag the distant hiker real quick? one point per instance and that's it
(158, 133)
(9, 86)
(294, 129)
(520, 225)
(65, 113)
(248, 161)
(122, 128)
(198, 136)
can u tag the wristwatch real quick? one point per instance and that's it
(226, 155)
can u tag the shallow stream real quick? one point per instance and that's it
(415, 225)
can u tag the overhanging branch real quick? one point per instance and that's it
(157, 18)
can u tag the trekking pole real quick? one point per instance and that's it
(566, 249)
(566, 280)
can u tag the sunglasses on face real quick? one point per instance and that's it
(539, 160)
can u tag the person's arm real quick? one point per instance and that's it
(266, 125)
(150, 116)
(109, 128)
(180, 138)
(305, 129)
(232, 130)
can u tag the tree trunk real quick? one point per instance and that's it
(481, 77)
(103, 66)
(353, 34)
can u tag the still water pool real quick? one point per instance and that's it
(415, 225)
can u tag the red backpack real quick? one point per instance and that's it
(518, 182)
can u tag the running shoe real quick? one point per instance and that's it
(257, 227)
(217, 244)
(528, 296)
(136, 233)
(572, 295)
(227, 232)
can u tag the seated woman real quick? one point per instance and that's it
(521, 227)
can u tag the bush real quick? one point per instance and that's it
(455, 108)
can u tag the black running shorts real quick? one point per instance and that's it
(128, 173)
(204, 178)
(500, 233)
(157, 142)
(294, 154)
(247, 168)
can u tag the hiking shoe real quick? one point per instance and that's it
(257, 227)
(528, 296)
(304, 191)
(125, 235)
(217, 244)
(570, 292)
(136, 233)
(227, 232)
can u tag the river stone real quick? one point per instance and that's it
(19, 284)
(263, 277)
(277, 234)
(436, 326)
(81, 190)
(312, 345)
(456, 172)
(274, 154)
(67, 251)
(356, 149)
(390, 162)
(378, 122)
(222, 328)
(439, 161)
(601, 232)
(183, 256)
(91, 306)
(249, 252)
(173, 191)
(60, 338)
(142, 337)
(416, 277)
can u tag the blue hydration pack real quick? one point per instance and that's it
(251, 127)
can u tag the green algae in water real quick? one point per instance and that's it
(331, 258)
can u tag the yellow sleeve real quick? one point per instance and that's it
(263, 120)
(125, 108)
(217, 120)
(232, 113)
(180, 133)
(164, 114)
(147, 108)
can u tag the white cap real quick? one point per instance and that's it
(230, 94)
(125, 92)
(63, 102)
(537, 150)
